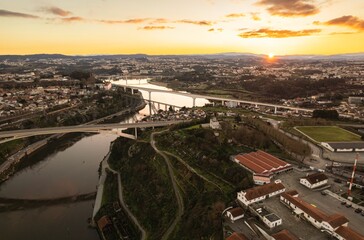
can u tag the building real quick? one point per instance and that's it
(284, 235)
(262, 165)
(271, 220)
(356, 100)
(344, 146)
(346, 233)
(319, 219)
(259, 193)
(235, 214)
(214, 124)
(237, 236)
(314, 180)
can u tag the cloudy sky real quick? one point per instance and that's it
(181, 26)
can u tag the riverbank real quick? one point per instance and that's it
(8, 167)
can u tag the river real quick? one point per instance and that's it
(65, 171)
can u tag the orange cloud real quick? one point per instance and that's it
(57, 11)
(159, 21)
(127, 21)
(290, 8)
(201, 23)
(255, 16)
(6, 13)
(215, 29)
(235, 15)
(156, 28)
(346, 21)
(270, 33)
(72, 19)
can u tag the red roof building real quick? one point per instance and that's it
(284, 235)
(261, 163)
(237, 236)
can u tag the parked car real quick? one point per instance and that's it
(343, 203)
(323, 193)
(337, 180)
(348, 205)
(358, 210)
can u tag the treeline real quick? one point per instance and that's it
(297, 148)
(293, 88)
(326, 114)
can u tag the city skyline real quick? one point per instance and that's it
(189, 27)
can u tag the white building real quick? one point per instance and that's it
(314, 180)
(235, 214)
(319, 219)
(214, 124)
(271, 220)
(259, 193)
(344, 146)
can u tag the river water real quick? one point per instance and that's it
(63, 172)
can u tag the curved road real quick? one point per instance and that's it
(175, 187)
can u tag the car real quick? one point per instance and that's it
(323, 193)
(358, 210)
(362, 213)
(337, 180)
(343, 203)
(348, 205)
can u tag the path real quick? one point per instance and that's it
(174, 184)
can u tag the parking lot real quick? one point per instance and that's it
(326, 203)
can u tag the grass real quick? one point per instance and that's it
(328, 134)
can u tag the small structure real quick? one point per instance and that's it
(271, 220)
(284, 235)
(104, 223)
(235, 214)
(259, 193)
(314, 180)
(214, 124)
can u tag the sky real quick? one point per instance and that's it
(282, 27)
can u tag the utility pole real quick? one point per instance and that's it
(353, 174)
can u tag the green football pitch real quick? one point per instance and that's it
(328, 134)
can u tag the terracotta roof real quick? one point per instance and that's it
(306, 207)
(337, 220)
(103, 222)
(261, 162)
(316, 177)
(263, 190)
(292, 192)
(284, 235)
(235, 212)
(237, 236)
(349, 234)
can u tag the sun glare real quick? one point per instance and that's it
(271, 55)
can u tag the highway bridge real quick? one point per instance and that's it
(114, 128)
(223, 100)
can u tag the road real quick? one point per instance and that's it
(174, 184)
(81, 128)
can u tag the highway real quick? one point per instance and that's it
(82, 128)
(194, 96)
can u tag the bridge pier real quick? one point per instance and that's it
(150, 102)
(194, 102)
(275, 110)
(223, 103)
(136, 133)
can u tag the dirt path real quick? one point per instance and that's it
(174, 184)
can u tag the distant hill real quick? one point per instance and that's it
(350, 56)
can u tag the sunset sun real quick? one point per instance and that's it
(271, 55)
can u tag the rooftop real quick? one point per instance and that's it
(284, 235)
(349, 234)
(263, 190)
(316, 177)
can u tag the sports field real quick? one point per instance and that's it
(328, 134)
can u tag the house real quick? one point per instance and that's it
(313, 215)
(104, 223)
(314, 180)
(259, 193)
(237, 236)
(235, 214)
(214, 124)
(284, 235)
